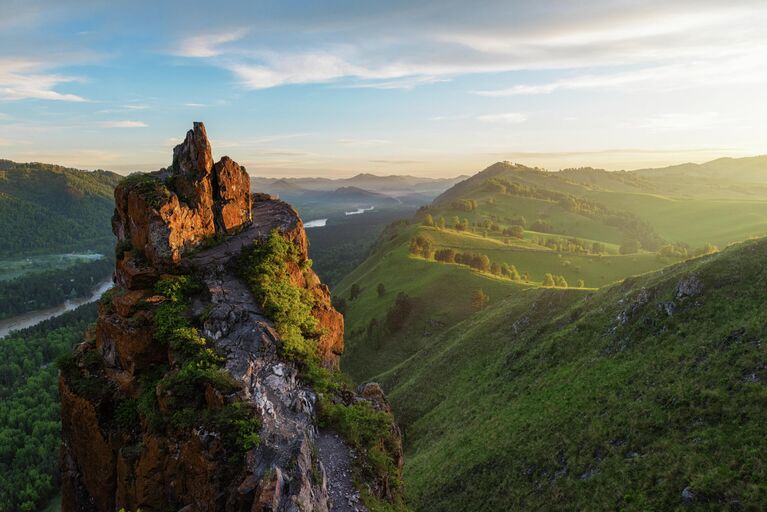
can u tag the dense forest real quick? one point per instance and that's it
(30, 425)
(47, 289)
(48, 208)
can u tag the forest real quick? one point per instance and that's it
(47, 289)
(30, 425)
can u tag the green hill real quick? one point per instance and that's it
(645, 395)
(47, 208)
(618, 392)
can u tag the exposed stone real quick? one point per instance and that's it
(690, 286)
(159, 219)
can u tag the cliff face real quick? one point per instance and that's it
(181, 397)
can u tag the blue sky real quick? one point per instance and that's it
(432, 87)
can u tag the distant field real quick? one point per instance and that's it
(13, 268)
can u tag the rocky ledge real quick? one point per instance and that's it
(180, 397)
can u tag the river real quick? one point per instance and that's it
(35, 317)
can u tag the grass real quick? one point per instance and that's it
(265, 267)
(583, 411)
(553, 399)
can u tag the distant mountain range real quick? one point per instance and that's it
(412, 188)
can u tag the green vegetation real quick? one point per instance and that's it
(48, 208)
(30, 421)
(199, 369)
(619, 401)
(553, 395)
(40, 290)
(265, 267)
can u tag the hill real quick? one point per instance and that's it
(48, 208)
(646, 395)
(521, 320)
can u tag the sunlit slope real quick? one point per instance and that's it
(440, 293)
(694, 208)
(646, 395)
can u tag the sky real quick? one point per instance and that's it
(429, 87)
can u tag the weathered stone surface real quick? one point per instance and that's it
(88, 460)
(232, 189)
(107, 467)
(166, 213)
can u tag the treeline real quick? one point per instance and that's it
(30, 424)
(628, 223)
(423, 247)
(50, 288)
(684, 251)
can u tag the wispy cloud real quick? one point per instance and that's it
(207, 45)
(123, 124)
(136, 106)
(505, 118)
(22, 79)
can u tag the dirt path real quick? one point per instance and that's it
(336, 459)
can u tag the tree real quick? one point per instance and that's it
(548, 280)
(560, 281)
(428, 220)
(514, 274)
(483, 263)
(399, 312)
(456, 222)
(381, 289)
(355, 291)
(580, 283)
(517, 231)
(441, 222)
(630, 246)
(479, 299)
(519, 221)
(495, 268)
(340, 304)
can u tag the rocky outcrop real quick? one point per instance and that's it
(127, 440)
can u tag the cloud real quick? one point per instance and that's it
(22, 79)
(133, 106)
(123, 124)
(207, 45)
(506, 118)
(402, 47)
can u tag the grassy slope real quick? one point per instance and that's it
(497, 412)
(553, 403)
(442, 293)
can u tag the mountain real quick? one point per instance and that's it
(393, 185)
(210, 380)
(564, 340)
(48, 208)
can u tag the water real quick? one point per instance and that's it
(317, 223)
(359, 211)
(35, 317)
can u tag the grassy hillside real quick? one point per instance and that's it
(638, 387)
(47, 208)
(645, 395)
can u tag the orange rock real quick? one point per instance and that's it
(124, 303)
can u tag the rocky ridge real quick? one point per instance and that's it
(126, 443)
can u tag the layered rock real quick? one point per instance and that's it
(194, 218)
